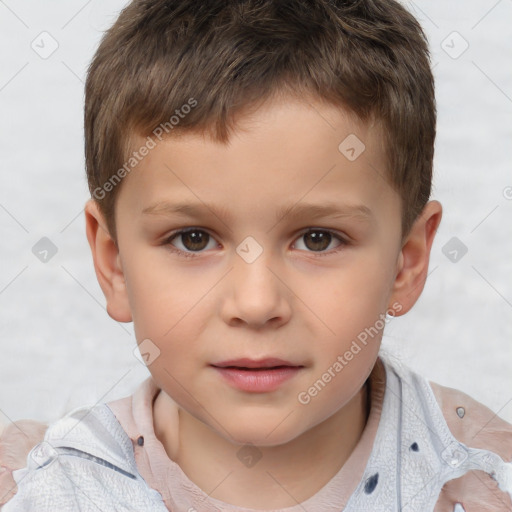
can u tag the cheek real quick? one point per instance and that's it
(168, 308)
(161, 298)
(352, 309)
(360, 291)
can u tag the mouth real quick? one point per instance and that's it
(257, 364)
(257, 376)
(263, 369)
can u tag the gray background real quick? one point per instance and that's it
(59, 348)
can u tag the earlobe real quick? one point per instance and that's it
(107, 263)
(412, 266)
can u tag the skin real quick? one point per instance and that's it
(299, 300)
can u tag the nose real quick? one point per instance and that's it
(256, 293)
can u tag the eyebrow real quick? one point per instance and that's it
(298, 211)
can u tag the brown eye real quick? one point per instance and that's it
(194, 240)
(318, 240)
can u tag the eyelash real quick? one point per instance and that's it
(176, 234)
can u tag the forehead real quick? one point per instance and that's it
(286, 152)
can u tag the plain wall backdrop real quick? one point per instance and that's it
(58, 347)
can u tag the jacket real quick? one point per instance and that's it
(86, 460)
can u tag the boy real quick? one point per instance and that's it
(260, 313)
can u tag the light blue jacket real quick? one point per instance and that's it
(86, 461)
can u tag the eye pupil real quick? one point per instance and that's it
(196, 238)
(318, 237)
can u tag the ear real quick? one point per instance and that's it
(107, 263)
(412, 267)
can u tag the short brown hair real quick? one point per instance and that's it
(369, 57)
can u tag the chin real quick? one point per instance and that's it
(262, 434)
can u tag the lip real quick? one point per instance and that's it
(267, 362)
(257, 376)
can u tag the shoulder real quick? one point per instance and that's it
(84, 461)
(486, 481)
(468, 420)
(476, 426)
(16, 441)
(472, 423)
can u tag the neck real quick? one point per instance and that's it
(283, 475)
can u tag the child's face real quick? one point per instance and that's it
(305, 299)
